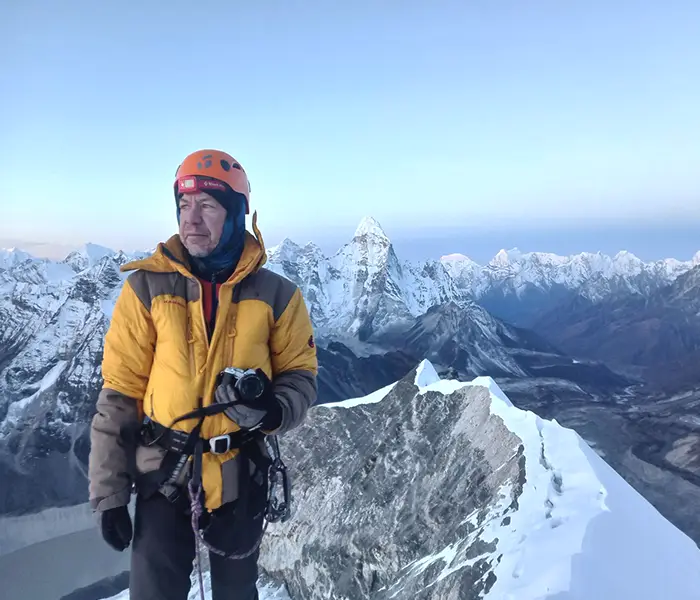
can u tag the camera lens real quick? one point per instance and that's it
(250, 387)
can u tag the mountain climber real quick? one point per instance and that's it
(192, 324)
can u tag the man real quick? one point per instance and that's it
(200, 304)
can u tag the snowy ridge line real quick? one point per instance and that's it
(576, 527)
(543, 508)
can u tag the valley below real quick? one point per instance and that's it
(652, 441)
(58, 554)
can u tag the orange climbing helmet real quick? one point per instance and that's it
(212, 170)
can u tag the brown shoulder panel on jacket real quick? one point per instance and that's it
(273, 289)
(147, 285)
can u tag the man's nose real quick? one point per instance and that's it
(195, 214)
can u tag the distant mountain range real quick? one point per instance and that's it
(365, 293)
(658, 331)
(521, 287)
(565, 335)
(364, 287)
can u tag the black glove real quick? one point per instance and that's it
(115, 524)
(265, 412)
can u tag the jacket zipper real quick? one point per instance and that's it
(174, 258)
(201, 313)
(200, 400)
(214, 306)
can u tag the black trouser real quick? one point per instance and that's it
(164, 547)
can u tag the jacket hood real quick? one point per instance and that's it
(171, 256)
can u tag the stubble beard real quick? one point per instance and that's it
(197, 251)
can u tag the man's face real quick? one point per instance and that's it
(201, 223)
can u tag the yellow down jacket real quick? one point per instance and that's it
(158, 361)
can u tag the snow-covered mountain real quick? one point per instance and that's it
(364, 288)
(387, 313)
(53, 318)
(544, 270)
(11, 257)
(86, 257)
(520, 287)
(440, 489)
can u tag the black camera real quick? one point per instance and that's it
(249, 384)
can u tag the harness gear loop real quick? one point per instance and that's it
(278, 509)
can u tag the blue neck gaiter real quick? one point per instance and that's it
(222, 261)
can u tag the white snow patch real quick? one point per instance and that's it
(456, 257)
(266, 592)
(369, 226)
(373, 398)
(107, 306)
(57, 272)
(95, 253)
(580, 527)
(449, 555)
(10, 257)
(426, 374)
(16, 409)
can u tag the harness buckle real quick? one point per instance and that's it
(220, 444)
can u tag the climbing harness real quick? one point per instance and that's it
(181, 446)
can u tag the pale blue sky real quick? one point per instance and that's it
(530, 119)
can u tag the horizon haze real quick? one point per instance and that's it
(555, 127)
(480, 246)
